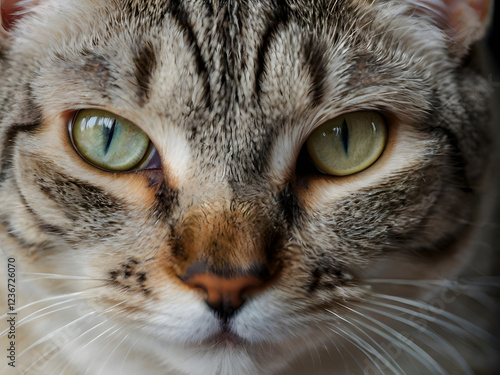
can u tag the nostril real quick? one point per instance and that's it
(225, 295)
(223, 310)
(224, 291)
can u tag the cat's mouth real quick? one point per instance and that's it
(224, 338)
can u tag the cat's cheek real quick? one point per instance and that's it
(152, 300)
(173, 321)
(269, 317)
(379, 210)
(62, 197)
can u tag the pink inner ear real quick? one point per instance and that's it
(481, 7)
(463, 20)
(10, 9)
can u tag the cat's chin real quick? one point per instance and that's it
(224, 349)
(224, 353)
(224, 339)
(218, 336)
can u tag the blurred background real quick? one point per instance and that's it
(494, 37)
(492, 73)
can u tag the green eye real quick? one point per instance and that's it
(349, 143)
(109, 141)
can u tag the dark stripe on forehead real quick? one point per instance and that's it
(210, 7)
(151, 11)
(9, 142)
(145, 63)
(316, 62)
(180, 14)
(277, 20)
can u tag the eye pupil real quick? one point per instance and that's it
(108, 132)
(344, 131)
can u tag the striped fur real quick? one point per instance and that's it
(228, 91)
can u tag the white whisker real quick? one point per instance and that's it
(459, 284)
(113, 351)
(460, 324)
(51, 276)
(365, 348)
(385, 361)
(53, 333)
(86, 332)
(98, 336)
(52, 298)
(48, 337)
(27, 319)
(43, 357)
(336, 346)
(355, 358)
(122, 369)
(429, 333)
(418, 353)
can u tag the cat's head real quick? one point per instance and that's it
(225, 174)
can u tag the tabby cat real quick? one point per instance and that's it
(244, 187)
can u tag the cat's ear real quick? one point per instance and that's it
(464, 21)
(12, 11)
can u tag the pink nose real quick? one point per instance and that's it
(222, 291)
(224, 294)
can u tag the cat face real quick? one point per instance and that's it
(165, 152)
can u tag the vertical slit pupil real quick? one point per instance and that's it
(344, 132)
(109, 133)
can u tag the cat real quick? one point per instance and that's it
(245, 187)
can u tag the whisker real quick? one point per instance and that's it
(429, 333)
(68, 360)
(385, 361)
(52, 298)
(366, 349)
(98, 336)
(53, 333)
(355, 358)
(43, 357)
(319, 326)
(474, 288)
(23, 321)
(462, 284)
(424, 358)
(48, 337)
(51, 276)
(122, 369)
(112, 352)
(106, 342)
(27, 319)
(461, 323)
